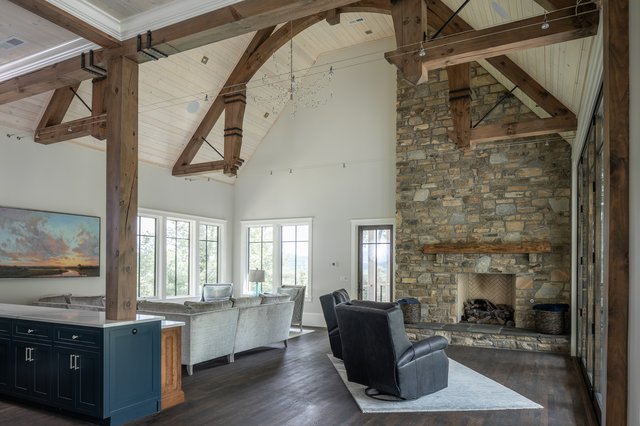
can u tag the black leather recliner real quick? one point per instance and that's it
(328, 303)
(378, 354)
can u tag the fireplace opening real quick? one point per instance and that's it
(487, 299)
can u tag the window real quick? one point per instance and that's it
(261, 253)
(178, 257)
(177, 254)
(282, 248)
(295, 255)
(147, 256)
(208, 253)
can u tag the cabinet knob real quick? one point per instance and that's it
(75, 337)
(134, 331)
(30, 330)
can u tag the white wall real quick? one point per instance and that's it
(634, 214)
(71, 179)
(357, 128)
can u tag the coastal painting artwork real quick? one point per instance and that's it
(39, 244)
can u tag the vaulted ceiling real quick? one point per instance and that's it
(175, 92)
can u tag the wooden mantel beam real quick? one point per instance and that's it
(487, 248)
(63, 19)
(522, 129)
(565, 25)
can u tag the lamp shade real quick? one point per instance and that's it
(256, 276)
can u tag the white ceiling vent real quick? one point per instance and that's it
(356, 21)
(11, 42)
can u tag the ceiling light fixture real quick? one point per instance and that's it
(422, 53)
(545, 24)
(204, 60)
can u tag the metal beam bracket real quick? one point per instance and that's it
(149, 50)
(92, 67)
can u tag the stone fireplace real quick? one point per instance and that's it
(503, 194)
(498, 291)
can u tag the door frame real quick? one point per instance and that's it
(355, 223)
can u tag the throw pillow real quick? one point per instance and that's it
(87, 300)
(271, 298)
(218, 305)
(163, 307)
(245, 302)
(62, 298)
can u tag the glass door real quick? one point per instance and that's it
(375, 263)
(591, 260)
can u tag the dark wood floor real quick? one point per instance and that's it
(299, 386)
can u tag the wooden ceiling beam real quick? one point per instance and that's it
(241, 18)
(227, 22)
(440, 12)
(410, 24)
(262, 47)
(549, 5)
(503, 39)
(62, 74)
(460, 104)
(69, 22)
(98, 105)
(199, 168)
(71, 129)
(523, 129)
(58, 106)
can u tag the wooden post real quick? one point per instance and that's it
(234, 106)
(410, 25)
(460, 104)
(122, 188)
(616, 146)
(98, 107)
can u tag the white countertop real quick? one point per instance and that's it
(68, 316)
(172, 324)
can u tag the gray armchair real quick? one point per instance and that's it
(296, 295)
(378, 354)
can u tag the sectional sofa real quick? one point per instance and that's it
(224, 328)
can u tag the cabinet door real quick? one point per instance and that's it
(89, 382)
(5, 364)
(78, 379)
(32, 369)
(63, 376)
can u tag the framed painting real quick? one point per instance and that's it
(42, 244)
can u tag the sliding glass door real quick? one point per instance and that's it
(591, 260)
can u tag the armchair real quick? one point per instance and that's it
(328, 303)
(378, 354)
(296, 295)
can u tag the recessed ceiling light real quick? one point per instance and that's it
(368, 32)
(266, 115)
(11, 42)
(204, 60)
(500, 11)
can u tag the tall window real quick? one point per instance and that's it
(295, 255)
(177, 254)
(208, 253)
(261, 253)
(282, 248)
(147, 243)
(178, 239)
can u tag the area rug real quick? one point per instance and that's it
(467, 391)
(295, 332)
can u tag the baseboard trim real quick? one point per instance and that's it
(313, 320)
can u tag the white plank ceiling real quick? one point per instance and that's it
(176, 92)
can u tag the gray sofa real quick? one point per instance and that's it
(224, 328)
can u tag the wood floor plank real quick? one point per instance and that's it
(299, 386)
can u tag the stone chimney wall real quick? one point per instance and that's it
(507, 192)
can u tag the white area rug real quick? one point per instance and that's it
(467, 391)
